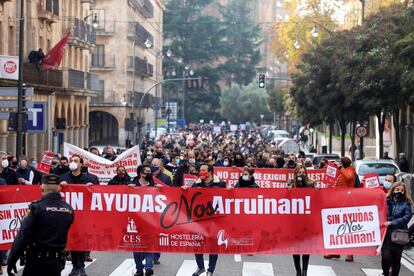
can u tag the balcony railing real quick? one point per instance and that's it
(107, 29)
(138, 33)
(48, 11)
(76, 79)
(33, 76)
(82, 34)
(142, 67)
(93, 2)
(103, 62)
(144, 6)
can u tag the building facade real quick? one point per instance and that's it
(128, 59)
(63, 93)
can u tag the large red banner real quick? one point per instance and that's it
(212, 220)
(265, 177)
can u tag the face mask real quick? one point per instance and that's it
(84, 169)
(245, 177)
(177, 161)
(398, 195)
(191, 161)
(203, 175)
(154, 168)
(300, 178)
(148, 177)
(73, 166)
(5, 163)
(121, 174)
(181, 158)
(225, 163)
(387, 185)
(14, 163)
(34, 163)
(149, 157)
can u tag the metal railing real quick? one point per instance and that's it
(140, 35)
(108, 28)
(144, 6)
(103, 62)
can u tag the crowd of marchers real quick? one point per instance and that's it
(197, 151)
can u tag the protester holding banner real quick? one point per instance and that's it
(144, 179)
(25, 174)
(43, 233)
(388, 181)
(121, 177)
(157, 166)
(247, 180)
(398, 215)
(75, 176)
(62, 167)
(301, 180)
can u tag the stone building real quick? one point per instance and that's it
(63, 94)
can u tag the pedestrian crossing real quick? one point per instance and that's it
(127, 268)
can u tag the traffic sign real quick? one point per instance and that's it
(361, 131)
(37, 117)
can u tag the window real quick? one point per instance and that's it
(98, 57)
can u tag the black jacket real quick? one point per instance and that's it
(45, 228)
(246, 184)
(120, 181)
(59, 170)
(216, 183)
(10, 176)
(83, 178)
(404, 165)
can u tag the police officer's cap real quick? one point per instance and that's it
(51, 179)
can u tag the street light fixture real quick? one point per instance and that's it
(315, 32)
(95, 22)
(148, 43)
(123, 101)
(191, 72)
(180, 60)
(296, 44)
(169, 53)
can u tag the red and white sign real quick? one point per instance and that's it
(104, 168)
(351, 227)
(211, 220)
(9, 67)
(189, 179)
(361, 131)
(45, 162)
(331, 175)
(371, 180)
(265, 178)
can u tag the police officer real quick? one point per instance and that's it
(43, 233)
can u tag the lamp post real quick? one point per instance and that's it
(21, 127)
(362, 10)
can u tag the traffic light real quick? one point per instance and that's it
(262, 81)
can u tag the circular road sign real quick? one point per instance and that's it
(361, 131)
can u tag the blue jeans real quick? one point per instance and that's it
(157, 256)
(212, 261)
(3, 255)
(140, 256)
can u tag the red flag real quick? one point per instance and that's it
(157, 181)
(55, 55)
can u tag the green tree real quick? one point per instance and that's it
(242, 104)
(240, 51)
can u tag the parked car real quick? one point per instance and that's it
(331, 157)
(382, 167)
(277, 136)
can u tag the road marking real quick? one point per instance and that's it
(237, 258)
(68, 267)
(320, 270)
(257, 269)
(372, 272)
(189, 267)
(126, 268)
(407, 264)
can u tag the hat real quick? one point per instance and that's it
(49, 179)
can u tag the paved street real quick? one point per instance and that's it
(122, 264)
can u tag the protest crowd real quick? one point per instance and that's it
(199, 151)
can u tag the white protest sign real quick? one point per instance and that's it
(104, 168)
(233, 127)
(351, 227)
(217, 129)
(11, 216)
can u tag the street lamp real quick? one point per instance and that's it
(95, 22)
(315, 32)
(148, 43)
(261, 119)
(123, 101)
(169, 53)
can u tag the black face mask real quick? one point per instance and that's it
(398, 195)
(84, 169)
(300, 178)
(148, 176)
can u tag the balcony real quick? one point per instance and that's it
(48, 11)
(76, 79)
(92, 2)
(139, 34)
(142, 67)
(143, 6)
(103, 62)
(107, 29)
(147, 102)
(33, 76)
(82, 35)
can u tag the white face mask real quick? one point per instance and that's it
(191, 161)
(245, 178)
(5, 163)
(73, 166)
(225, 163)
